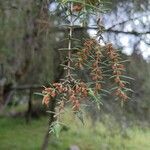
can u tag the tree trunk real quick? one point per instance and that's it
(2, 83)
(51, 119)
(29, 112)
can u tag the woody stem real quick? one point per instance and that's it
(70, 43)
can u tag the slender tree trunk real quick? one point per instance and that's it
(51, 119)
(29, 111)
(58, 71)
(2, 83)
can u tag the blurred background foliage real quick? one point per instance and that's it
(29, 42)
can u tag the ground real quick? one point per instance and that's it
(15, 134)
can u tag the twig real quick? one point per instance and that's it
(130, 19)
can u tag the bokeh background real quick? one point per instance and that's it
(29, 58)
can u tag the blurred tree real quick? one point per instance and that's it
(24, 43)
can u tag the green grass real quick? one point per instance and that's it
(15, 134)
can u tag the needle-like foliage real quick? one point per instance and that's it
(102, 61)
